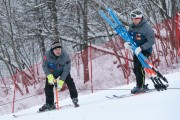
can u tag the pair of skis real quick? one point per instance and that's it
(116, 24)
(28, 114)
(129, 95)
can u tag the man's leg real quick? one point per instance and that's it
(71, 86)
(139, 72)
(49, 93)
(140, 75)
(72, 90)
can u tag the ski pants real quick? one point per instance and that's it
(139, 70)
(49, 93)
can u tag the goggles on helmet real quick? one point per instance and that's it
(135, 16)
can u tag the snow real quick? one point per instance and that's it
(95, 106)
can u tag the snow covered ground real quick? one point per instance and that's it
(164, 105)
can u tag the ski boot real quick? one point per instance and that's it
(46, 107)
(75, 102)
(138, 89)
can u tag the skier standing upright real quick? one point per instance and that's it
(143, 35)
(57, 63)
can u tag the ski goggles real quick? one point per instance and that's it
(135, 16)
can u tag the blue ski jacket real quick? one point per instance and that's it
(143, 35)
(58, 66)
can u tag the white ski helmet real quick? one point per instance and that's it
(136, 14)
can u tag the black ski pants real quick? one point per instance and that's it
(49, 93)
(139, 70)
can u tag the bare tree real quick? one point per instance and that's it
(54, 22)
(28, 27)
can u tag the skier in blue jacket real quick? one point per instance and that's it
(143, 35)
(56, 65)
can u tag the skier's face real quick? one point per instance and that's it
(57, 51)
(136, 20)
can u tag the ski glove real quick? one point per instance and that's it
(50, 79)
(127, 45)
(60, 84)
(137, 50)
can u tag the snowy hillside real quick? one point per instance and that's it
(162, 105)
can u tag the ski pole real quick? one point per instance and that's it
(56, 94)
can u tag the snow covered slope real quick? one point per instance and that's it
(164, 105)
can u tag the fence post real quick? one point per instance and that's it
(178, 30)
(91, 67)
(14, 97)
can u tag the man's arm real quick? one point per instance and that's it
(67, 68)
(150, 38)
(45, 66)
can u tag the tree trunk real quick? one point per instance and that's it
(85, 43)
(54, 22)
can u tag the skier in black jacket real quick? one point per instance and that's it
(143, 35)
(57, 63)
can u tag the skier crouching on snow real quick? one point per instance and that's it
(57, 63)
(143, 35)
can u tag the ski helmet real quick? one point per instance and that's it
(136, 14)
